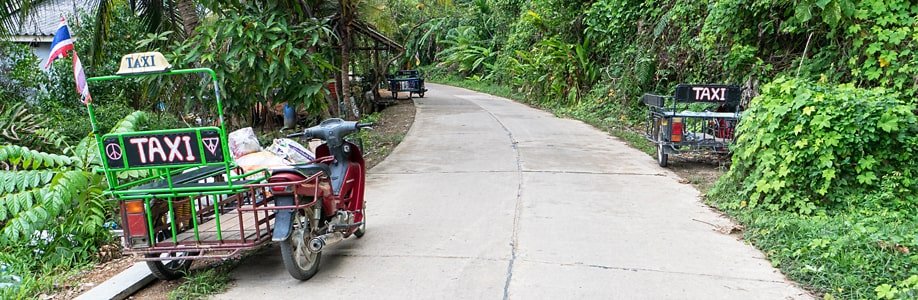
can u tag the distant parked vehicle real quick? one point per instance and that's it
(409, 81)
(683, 123)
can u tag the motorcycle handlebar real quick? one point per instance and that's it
(295, 135)
(328, 127)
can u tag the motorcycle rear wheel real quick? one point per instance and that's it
(298, 260)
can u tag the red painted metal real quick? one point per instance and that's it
(350, 197)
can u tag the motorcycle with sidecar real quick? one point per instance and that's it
(182, 196)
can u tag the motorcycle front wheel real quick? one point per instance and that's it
(298, 260)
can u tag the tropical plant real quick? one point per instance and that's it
(261, 56)
(52, 203)
(467, 52)
(805, 146)
(20, 126)
(20, 79)
(563, 72)
(17, 124)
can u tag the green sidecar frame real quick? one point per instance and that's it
(191, 200)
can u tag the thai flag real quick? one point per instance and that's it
(80, 78)
(61, 44)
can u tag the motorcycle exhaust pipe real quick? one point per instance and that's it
(317, 243)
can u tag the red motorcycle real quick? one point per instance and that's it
(324, 198)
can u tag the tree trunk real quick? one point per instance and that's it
(345, 70)
(189, 15)
(378, 74)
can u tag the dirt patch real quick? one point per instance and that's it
(160, 289)
(391, 127)
(699, 169)
(86, 280)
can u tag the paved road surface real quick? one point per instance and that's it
(489, 199)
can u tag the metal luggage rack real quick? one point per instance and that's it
(688, 125)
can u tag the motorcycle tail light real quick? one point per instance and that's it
(135, 224)
(676, 134)
(133, 207)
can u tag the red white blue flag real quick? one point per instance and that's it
(80, 78)
(61, 45)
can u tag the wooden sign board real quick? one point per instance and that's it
(715, 93)
(141, 150)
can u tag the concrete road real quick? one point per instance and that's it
(488, 199)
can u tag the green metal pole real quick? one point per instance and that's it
(95, 132)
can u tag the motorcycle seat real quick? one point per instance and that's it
(304, 170)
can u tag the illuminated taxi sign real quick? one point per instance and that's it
(717, 93)
(146, 62)
(194, 146)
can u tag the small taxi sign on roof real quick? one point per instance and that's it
(145, 62)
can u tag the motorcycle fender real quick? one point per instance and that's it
(283, 220)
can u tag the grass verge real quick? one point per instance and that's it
(848, 253)
(203, 282)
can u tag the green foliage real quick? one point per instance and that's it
(261, 56)
(650, 46)
(17, 124)
(802, 146)
(20, 78)
(883, 36)
(562, 70)
(51, 205)
(611, 23)
(467, 53)
(846, 253)
(17, 157)
(112, 99)
(905, 289)
(201, 284)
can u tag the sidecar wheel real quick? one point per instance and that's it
(299, 262)
(170, 269)
(662, 157)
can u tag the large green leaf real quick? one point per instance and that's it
(32, 159)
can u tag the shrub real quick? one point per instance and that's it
(52, 208)
(803, 146)
(20, 77)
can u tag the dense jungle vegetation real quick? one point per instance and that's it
(823, 174)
